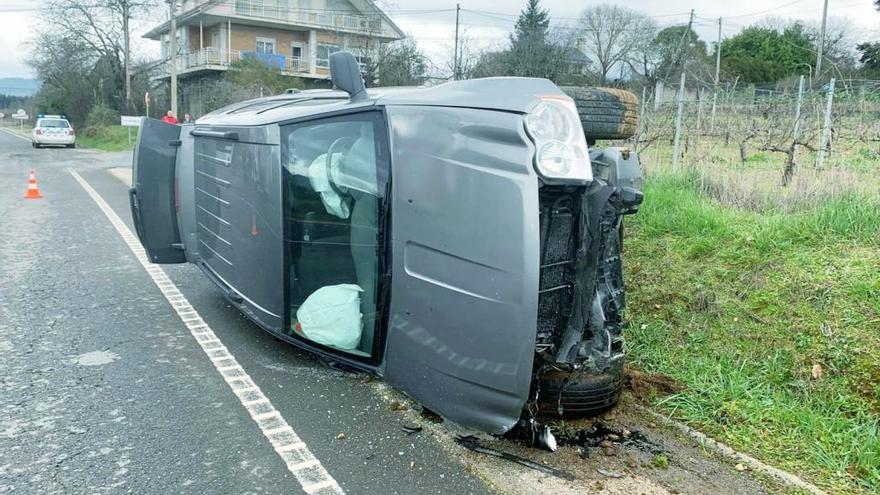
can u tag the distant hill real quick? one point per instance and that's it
(18, 86)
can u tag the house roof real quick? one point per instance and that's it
(575, 54)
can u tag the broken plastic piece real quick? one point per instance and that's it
(411, 429)
(547, 440)
(471, 442)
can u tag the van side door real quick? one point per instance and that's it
(153, 195)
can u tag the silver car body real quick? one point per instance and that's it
(461, 272)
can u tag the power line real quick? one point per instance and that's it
(771, 9)
(488, 13)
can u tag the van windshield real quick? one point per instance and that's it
(336, 173)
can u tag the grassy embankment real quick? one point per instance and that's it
(106, 138)
(764, 303)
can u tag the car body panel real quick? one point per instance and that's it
(238, 219)
(461, 334)
(186, 205)
(153, 198)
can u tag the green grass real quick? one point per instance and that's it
(106, 138)
(739, 306)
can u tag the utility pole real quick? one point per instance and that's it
(126, 12)
(717, 77)
(821, 45)
(455, 53)
(173, 49)
(680, 59)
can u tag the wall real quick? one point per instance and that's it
(245, 38)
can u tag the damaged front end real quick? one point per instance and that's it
(580, 348)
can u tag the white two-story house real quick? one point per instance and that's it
(296, 36)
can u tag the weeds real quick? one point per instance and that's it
(740, 295)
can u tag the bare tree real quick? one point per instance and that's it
(611, 34)
(399, 63)
(100, 30)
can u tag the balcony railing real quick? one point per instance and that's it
(213, 58)
(328, 20)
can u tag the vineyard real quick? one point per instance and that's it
(752, 272)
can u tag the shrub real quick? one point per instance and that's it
(102, 115)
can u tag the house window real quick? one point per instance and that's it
(324, 51)
(266, 45)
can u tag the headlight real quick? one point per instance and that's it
(559, 140)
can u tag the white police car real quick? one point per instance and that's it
(53, 130)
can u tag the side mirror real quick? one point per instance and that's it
(345, 73)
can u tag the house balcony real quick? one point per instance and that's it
(355, 23)
(214, 59)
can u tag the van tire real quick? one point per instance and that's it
(580, 393)
(605, 113)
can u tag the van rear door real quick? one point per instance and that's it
(153, 194)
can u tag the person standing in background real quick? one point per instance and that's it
(169, 118)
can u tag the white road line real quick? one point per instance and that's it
(13, 133)
(316, 478)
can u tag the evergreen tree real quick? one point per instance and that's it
(531, 26)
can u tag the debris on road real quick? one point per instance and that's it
(397, 406)
(412, 429)
(472, 443)
(609, 474)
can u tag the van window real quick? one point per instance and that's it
(335, 179)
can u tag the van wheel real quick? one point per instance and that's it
(580, 393)
(35, 145)
(605, 113)
(71, 145)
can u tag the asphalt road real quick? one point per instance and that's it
(103, 389)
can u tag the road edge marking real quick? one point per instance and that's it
(299, 460)
(13, 133)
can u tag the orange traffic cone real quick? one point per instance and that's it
(33, 192)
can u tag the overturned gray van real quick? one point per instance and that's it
(460, 241)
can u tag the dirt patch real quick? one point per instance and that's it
(643, 385)
(621, 452)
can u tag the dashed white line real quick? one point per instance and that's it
(304, 466)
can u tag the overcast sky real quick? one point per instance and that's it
(487, 22)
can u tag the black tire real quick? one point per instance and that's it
(71, 145)
(34, 144)
(605, 113)
(580, 393)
